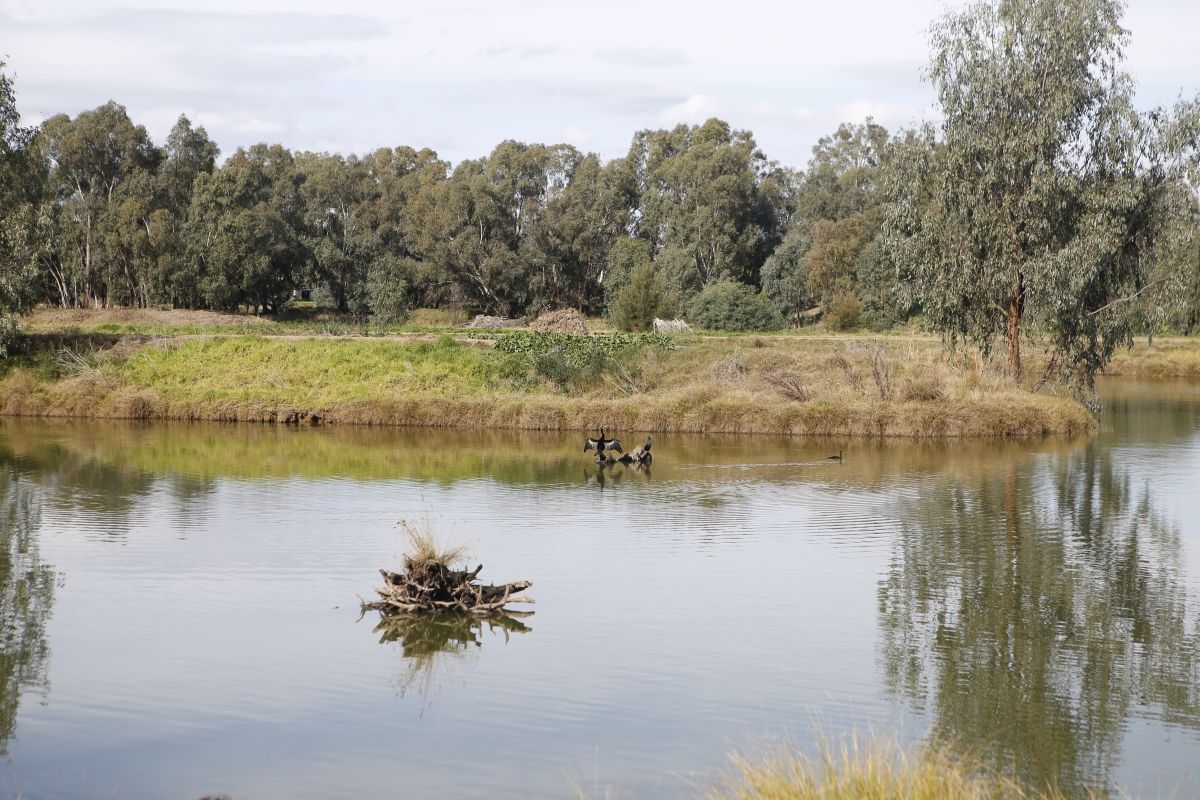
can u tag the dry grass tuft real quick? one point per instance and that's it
(425, 550)
(926, 388)
(879, 771)
(790, 385)
(849, 371)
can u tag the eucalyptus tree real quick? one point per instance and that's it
(784, 276)
(843, 178)
(831, 256)
(400, 274)
(175, 275)
(245, 223)
(340, 243)
(711, 202)
(91, 158)
(1035, 207)
(22, 228)
(570, 247)
(484, 227)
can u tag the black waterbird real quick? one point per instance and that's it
(600, 444)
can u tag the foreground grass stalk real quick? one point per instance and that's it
(878, 771)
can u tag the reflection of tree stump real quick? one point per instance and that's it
(430, 585)
(424, 635)
(430, 643)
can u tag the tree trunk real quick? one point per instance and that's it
(1015, 307)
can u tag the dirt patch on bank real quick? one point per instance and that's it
(137, 317)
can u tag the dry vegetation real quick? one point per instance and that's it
(779, 385)
(875, 772)
(430, 584)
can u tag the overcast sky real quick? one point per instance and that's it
(461, 75)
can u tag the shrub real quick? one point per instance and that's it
(731, 306)
(643, 298)
(387, 289)
(843, 311)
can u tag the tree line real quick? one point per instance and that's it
(1043, 203)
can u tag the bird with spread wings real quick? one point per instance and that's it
(600, 444)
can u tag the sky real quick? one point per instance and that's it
(460, 76)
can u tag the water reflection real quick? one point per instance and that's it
(26, 596)
(431, 643)
(602, 475)
(1033, 611)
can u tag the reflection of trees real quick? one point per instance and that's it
(78, 480)
(430, 641)
(1031, 611)
(26, 594)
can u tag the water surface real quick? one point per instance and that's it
(180, 603)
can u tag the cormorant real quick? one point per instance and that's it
(640, 455)
(600, 444)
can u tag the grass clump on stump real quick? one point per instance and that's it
(430, 584)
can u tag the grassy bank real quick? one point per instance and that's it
(778, 385)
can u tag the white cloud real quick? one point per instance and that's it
(886, 114)
(695, 109)
(460, 76)
(576, 136)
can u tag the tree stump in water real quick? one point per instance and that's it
(428, 586)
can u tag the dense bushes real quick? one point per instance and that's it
(731, 306)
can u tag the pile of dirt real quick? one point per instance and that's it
(484, 321)
(564, 320)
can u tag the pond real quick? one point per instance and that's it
(180, 607)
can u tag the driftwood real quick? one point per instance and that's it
(431, 586)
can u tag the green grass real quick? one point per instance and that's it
(779, 385)
(305, 372)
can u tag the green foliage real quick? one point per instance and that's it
(567, 360)
(643, 298)
(784, 277)
(709, 195)
(387, 288)
(10, 336)
(1036, 209)
(625, 256)
(23, 224)
(732, 306)
(577, 350)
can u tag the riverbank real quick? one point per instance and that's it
(833, 386)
